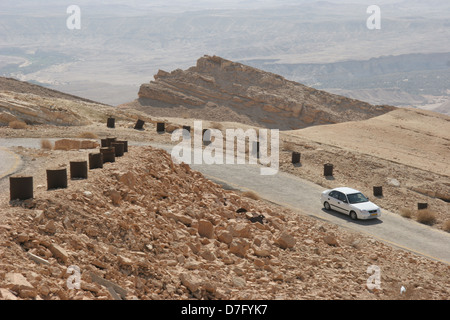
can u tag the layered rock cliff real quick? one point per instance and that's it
(221, 90)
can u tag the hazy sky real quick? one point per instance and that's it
(122, 41)
(52, 6)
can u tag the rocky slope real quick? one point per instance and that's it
(33, 104)
(37, 110)
(146, 228)
(14, 85)
(220, 90)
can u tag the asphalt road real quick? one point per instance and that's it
(302, 196)
(9, 162)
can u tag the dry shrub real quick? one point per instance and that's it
(406, 213)
(447, 226)
(251, 195)
(88, 135)
(288, 146)
(17, 125)
(170, 128)
(46, 144)
(426, 216)
(268, 121)
(186, 115)
(216, 125)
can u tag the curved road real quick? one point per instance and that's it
(303, 196)
(9, 162)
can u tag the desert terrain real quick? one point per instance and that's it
(325, 45)
(404, 150)
(146, 228)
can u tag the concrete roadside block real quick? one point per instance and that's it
(95, 161)
(109, 154)
(111, 123)
(78, 170)
(139, 125)
(56, 179)
(161, 127)
(21, 188)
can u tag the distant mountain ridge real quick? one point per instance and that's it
(411, 80)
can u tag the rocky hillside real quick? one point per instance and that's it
(25, 102)
(146, 228)
(220, 90)
(13, 85)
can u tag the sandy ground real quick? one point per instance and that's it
(407, 175)
(405, 151)
(416, 138)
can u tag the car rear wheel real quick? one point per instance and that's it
(353, 215)
(326, 205)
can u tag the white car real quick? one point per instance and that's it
(351, 202)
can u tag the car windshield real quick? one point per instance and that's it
(357, 198)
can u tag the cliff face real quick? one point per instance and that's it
(220, 90)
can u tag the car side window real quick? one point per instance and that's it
(342, 197)
(333, 194)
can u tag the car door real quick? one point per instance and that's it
(333, 200)
(343, 204)
(339, 202)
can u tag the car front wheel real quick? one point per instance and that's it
(326, 205)
(353, 215)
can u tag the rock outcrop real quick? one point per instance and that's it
(26, 102)
(221, 90)
(36, 110)
(17, 86)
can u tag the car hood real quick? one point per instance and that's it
(365, 206)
